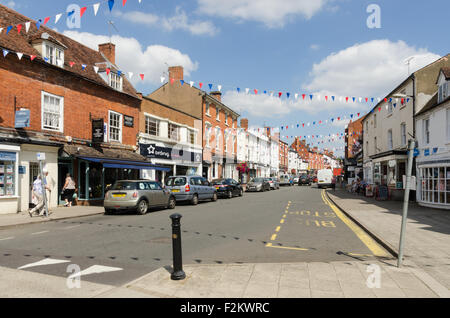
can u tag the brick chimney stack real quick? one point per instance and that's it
(244, 123)
(217, 95)
(176, 73)
(109, 51)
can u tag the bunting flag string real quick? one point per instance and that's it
(57, 17)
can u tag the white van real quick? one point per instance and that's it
(285, 180)
(325, 178)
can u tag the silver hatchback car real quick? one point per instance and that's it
(137, 196)
(191, 188)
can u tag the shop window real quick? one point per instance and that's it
(174, 132)
(82, 180)
(435, 184)
(95, 180)
(7, 174)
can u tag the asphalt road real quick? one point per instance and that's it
(293, 224)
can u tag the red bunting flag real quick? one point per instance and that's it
(385, 99)
(46, 20)
(32, 57)
(108, 71)
(367, 99)
(142, 76)
(72, 64)
(256, 92)
(379, 109)
(303, 95)
(172, 80)
(124, 2)
(200, 84)
(346, 99)
(358, 114)
(279, 94)
(326, 98)
(19, 27)
(82, 11)
(403, 101)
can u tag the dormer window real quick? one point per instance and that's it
(53, 54)
(115, 81)
(443, 92)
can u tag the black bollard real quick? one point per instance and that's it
(178, 273)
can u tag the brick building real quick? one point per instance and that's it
(219, 128)
(51, 96)
(284, 157)
(170, 138)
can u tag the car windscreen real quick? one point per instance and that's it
(258, 180)
(219, 182)
(124, 186)
(176, 182)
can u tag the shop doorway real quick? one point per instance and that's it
(63, 169)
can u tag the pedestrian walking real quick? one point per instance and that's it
(68, 190)
(38, 198)
(49, 184)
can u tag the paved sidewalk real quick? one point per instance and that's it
(18, 219)
(299, 280)
(427, 243)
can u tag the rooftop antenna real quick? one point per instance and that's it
(408, 62)
(111, 24)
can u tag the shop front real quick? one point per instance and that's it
(9, 177)
(388, 170)
(177, 160)
(433, 182)
(94, 170)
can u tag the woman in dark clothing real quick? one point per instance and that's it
(68, 190)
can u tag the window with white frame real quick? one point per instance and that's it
(207, 135)
(448, 124)
(207, 108)
(174, 132)
(54, 54)
(115, 126)
(226, 118)
(191, 136)
(217, 113)
(403, 133)
(390, 107)
(426, 131)
(52, 112)
(390, 141)
(218, 138)
(115, 81)
(152, 126)
(435, 185)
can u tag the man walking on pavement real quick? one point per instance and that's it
(38, 197)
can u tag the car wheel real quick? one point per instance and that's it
(108, 211)
(214, 198)
(241, 193)
(194, 200)
(230, 194)
(172, 203)
(142, 207)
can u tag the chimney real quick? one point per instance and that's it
(244, 123)
(217, 95)
(268, 131)
(176, 73)
(109, 51)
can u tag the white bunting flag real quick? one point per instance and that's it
(191, 83)
(296, 96)
(1, 30)
(219, 87)
(58, 16)
(163, 79)
(360, 99)
(19, 55)
(130, 74)
(27, 26)
(247, 90)
(96, 6)
(96, 68)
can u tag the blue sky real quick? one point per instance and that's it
(321, 47)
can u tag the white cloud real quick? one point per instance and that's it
(132, 57)
(314, 47)
(274, 14)
(9, 4)
(370, 69)
(179, 21)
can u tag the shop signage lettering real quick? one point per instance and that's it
(153, 151)
(22, 119)
(128, 121)
(98, 131)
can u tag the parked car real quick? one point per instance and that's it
(325, 178)
(258, 184)
(285, 180)
(137, 196)
(191, 188)
(296, 179)
(274, 183)
(304, 179)
(228, 188)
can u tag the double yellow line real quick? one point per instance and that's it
(363, 236)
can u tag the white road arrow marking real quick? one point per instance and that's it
(45, 261)
(96, 269)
